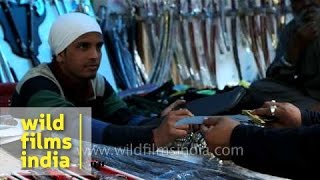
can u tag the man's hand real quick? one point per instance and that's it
(167, 132)
(171, 107)
(288, 115)
(217, 133)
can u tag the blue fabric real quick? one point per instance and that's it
(98, 128)
(136, 119)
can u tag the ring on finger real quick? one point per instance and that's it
(273, 109)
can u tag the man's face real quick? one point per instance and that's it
(81, 59)
(299, 5)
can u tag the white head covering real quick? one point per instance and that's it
(69, 27)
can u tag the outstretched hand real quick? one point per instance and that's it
(217, 133)
(167, 132)
(172, 107)
(287, 114)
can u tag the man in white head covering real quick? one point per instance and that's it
(71, 80)
(76, 40)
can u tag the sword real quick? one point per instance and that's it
(254, 36)
(167, 53)
(223, 21)
(264, 34)
(270, 10)
(194, 57)
(6, 74)
(219, 32)
(161, 55)
(244, 25)
(200, 31)
(30, 11)
(211, 35)
(207, 31)
(234, 37)
(184, 40)
(150, 30)
(22, 47)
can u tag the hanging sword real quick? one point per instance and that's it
(22, 47)
(30, 31)
(234, 37)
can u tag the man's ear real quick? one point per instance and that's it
(61, 56)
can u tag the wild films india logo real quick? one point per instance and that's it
(35, 139)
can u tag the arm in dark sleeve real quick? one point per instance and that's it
(115, 110)
(123, 135)
(310, 117)
(117, 135)
(291, 153)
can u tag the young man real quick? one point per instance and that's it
(71, 80)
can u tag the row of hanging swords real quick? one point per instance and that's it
(20, 20)
(192, 35)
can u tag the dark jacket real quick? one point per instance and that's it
(287, 152)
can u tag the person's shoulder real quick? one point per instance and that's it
(38, 68)
(102, 81)
(40, 76)
(38, 86)
(99, 84)
(37, 78)
(38, 83)
(102, 87)
(99, 77)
